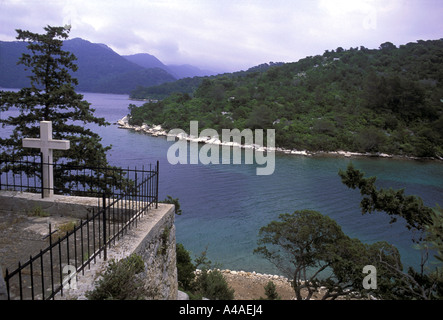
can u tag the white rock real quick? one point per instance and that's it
(182, 295)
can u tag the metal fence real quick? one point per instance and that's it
(56, 267)
(79, 180)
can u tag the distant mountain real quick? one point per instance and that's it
(146, 60)
(12, 75)
(100, 69)
(188, 71)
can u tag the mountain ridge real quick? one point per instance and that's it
(147, 60)
(100, 69)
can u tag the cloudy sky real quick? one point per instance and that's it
(229, 35)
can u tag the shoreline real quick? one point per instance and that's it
(158, 131)
(251, 286)
(265, 276)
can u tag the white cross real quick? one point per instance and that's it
(46, 144)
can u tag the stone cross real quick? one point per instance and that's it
(46, 144)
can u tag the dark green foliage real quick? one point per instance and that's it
(52, 97)
(208, 282)
(435, 232)
(394, 202)
(120, 282)
(211, 284)
(427, 283)
(185, 268)
(175, 202)
(271, 292)
(162, 91)
(311, 249)
(386, 100)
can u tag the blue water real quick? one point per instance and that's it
(224, 206)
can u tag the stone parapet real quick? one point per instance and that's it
(154, 240)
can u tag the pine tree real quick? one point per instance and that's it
(52, 97)
(271, 291)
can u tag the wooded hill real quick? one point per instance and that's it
(387, 100)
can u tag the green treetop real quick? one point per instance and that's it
(51, 96)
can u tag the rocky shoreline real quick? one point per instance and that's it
(157, 130)
(250, 285)
(253, 274)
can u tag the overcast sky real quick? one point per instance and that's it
(229, 35)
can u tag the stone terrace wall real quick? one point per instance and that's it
(3, 292)
(26, 203)
(153, 239)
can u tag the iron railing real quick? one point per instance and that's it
(50, 271)
(79, 180)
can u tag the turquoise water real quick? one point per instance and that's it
(224, 206)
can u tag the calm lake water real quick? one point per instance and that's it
(224, 206)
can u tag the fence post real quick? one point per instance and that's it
(104, 227)
(156, 187)
(41, 174)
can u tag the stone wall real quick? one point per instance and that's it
(3, 292)
(27, 203)
(153, 239)
(158, 251)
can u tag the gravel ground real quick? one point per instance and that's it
(250, 285)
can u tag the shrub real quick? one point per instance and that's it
(185, 268)
(212, 285)
(119, 282)
(175, 202)
(209, 282)
(271, 292)
(37, 211)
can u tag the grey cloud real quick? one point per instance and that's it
(232, 34)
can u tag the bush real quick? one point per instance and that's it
(119, 281)
(209, 283)
(271, 292)
(185, 268)
(212, 284)
(175, 202)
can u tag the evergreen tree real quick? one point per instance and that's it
(312, 250)
(185, 267)
(271, 291)
(428, 222)
(52, 97)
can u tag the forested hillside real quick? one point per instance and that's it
(387, 100)
(187, 85)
